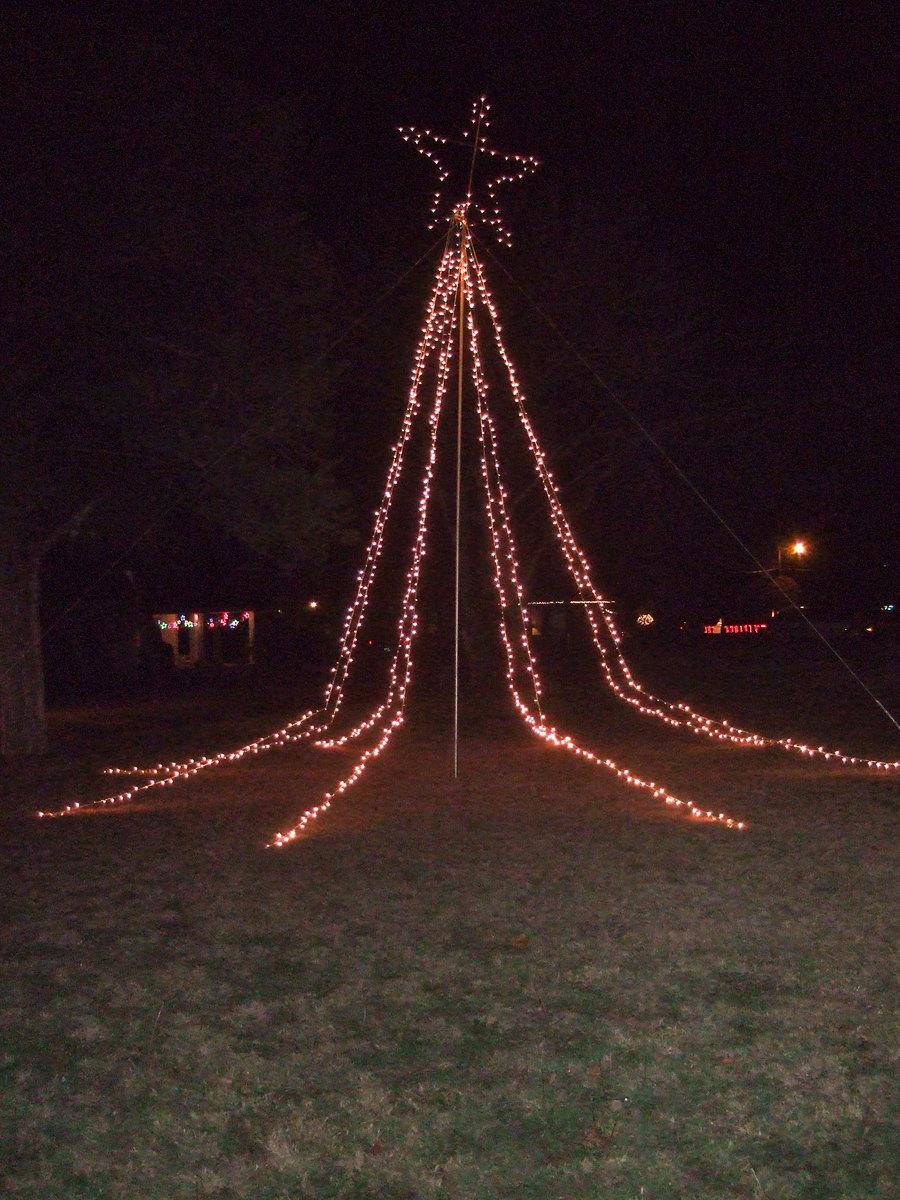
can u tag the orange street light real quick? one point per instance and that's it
(799, 549)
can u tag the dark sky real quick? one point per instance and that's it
(757, 136)
(763, 127)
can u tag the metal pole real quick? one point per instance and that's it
(463, 248)
(463, 234)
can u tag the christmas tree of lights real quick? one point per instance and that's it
(462, 326)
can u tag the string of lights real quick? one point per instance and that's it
(460, 287)
(613, 664)
(220, 620)
(446, 317)
(508, 168)
(520, 659)
(435, 349)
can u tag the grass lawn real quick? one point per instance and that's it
(526, 983)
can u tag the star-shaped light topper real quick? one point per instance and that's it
(505, 168)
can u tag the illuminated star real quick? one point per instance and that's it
(504, 168)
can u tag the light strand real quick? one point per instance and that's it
(434, 348)
(460, 273)
(508, 168)
(626, 687)
(504, 559)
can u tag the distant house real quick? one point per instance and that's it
(554, 620)
(223, 638)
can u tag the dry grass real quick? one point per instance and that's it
(525, 984)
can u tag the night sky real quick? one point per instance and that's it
(755, 139)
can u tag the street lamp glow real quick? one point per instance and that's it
(798, 548)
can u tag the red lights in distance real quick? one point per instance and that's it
(749, 627)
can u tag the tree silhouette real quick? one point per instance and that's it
(166, 326)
